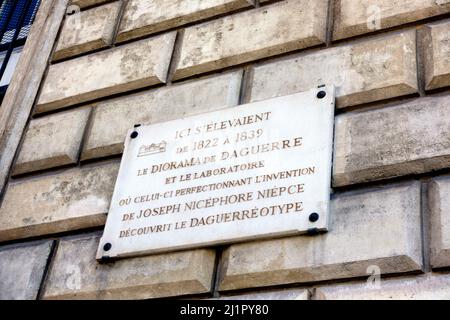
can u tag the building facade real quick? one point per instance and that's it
(92, 69)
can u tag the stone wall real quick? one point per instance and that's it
(120, 63)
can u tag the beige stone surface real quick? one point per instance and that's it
(358, 17)
(424, 287)
(439, 204)
(288, 294)
(366, 71)
(21, 270)
(69, 200)
(113, 118)
(369, 227)
(20, 97)
(52, 141)
(408, 138)
(437, 55)
(76, 274)
(88, 3)
(87, 30)
(251, 35)
(146, 17)
(132, 66)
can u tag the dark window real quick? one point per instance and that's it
(16, 18)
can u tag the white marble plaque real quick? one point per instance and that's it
(259, 170)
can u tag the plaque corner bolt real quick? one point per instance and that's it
(107, 246)
(321, 94)
(134, 135)
(314, 217)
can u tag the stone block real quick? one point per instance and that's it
(76, 274)
(69, 200)
(251, 35)
(439, 204)
(87, 30)
(52, 141)
(363, 16)
(409, 138)
(288, 294)
(88, 3)
(377, 69)
(113, 118)
(132, 66)
(146, 17)
(424, 287)
(21, 270)
(437, 55)
(380, 227)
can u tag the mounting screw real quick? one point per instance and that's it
(107, 246)
(321, 94)
(134, 134)
(313, 217)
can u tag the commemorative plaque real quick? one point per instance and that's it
(255, 171)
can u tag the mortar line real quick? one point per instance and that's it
(425, 225)
(217, 272)
(48, 265)
(121, 13)
(330, 24)
(176, 50)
